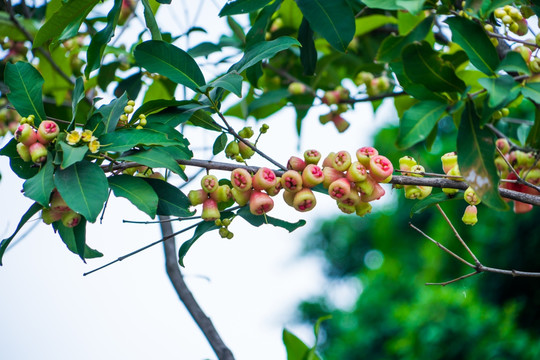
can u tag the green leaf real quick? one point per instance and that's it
(24, 219)
(8, 29)
(152, 106)
(101, 39)
(475, 148)
(366, 24)
(258, 220)
(60, 20)
(219, 144)
(409, 5)
(125, 139)
(77, 97)
(262, 50)
(423, 65)
(416, 90)
(170, 61)
(171, 201)
(533, 139)
(500, 89)
(203, 119)
(112, 111)
(231, 81)
(296, 349)
(25, 84)
(150, 20)
(23, 169)
(84, 187)
(418, 121)
(308, 52)
(333, 20)
(131, 86)
(155, 158)
(431, 200)
(531, 91)
(257, 32)
(137, 191)
(474, 40)
(242, 7)
(74, 238)
(202, 228)
(39, 187)
(513, 61)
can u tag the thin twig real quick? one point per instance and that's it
(506, 37)
(456, 279)
(519, 178)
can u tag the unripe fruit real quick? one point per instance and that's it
(470, 196)
(329, 160)
(363, 208)
(406, 163)
(425, 191)
(522, 29)
(226, 222)
(288, 197)
(514, 27)
(274, 190)
(331, 97)
(524, 159)
(417, 171)
(507, 19)
(502, 167)
(532, 176)
(312, 176)
(26, 134)
(376, 194)
(470, 215)
(210, 210)
(534, 65)
(364, 154)
(38, 153)
(380, 167)
(260, 203)
(222, 194)
(352, 199)
(48, 131)
(232, 150)
(342, 161)
(71, 219)
(197, 197)
(209, 183)
(339, 189)
(304, 200)
(367, 186)
(245, 150)
(128, 109)
(330, 175)
(340, 123)
(455, 172)
(156, 175)
(291, 181)
(297, 88)
(323, 119)
(449, 160)
(241, 197)
(537, 39)
(357, 172)
(503, 145)
(346, 208)
(499, 13)
(363, 77)
(525, 52)
(49, 216)
(246, 132)
(312, 156)
(223, 232)
(264, 179)
(295, 163)
(450, 191)
(241, 179)
(412, 192)
(23, 152)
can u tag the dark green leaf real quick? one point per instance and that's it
(155, 105)
(333, 20)
(500, 89)
(172, 201)
(131, 85)
(25, 84)
(204, 49)
(263, 50)
(39, 187)
(23, 169)
(24, 219)
(112, 111)
(106, 74)
(474, 40)
(77, 97)
(219, 144)
(202, 228)
(101, 39)
(475, 148)
(513, 61)
(72, 154)
(56, 24)
(137, 191)
(368, 23)
(418, 121)
(413, 6)
(150, 20)
(170, 61)
(257, 32)
(423, 65)
(531, 91)
(203, 119)
(258, 220)
(156, 158)
(231, 81)
(308, 52)
(74, 237)
(242, 7)
(431, 200)
(534, 135)
(416, 90)
(84, 187)
(125, 139)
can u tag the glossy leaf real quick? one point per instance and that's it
(418, 91)
(418, 121)
(170, 61)
(231, 81)
(77, 97)
(333, 20)
(125, 139)
(534, 135)
(112, 111)
(263, 50)
(473, 39)
(25, 94)
(531, 91)
(101, 39)
(202, 118)
(200, 230)
(131, 85)
(7, 28)
(242, 7)
(84, 187)
(258, 220)
(475, 148)
(150, 20)
(171, 201)
(155, 158)
(72, 154)
(366, 24)
(156, 105)
(257, 32)
(74, 238)
(413, 6)
(137, 191)
(500, 89)
(39, 187)
(392, 46)
(308, 52)
(219, 144)
(24, 219)
(23, 169)
(296, 349)
(422, 64)
(513, 61)
(432, 200)
(60, 20)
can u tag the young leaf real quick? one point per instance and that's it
(258, 220)
(418, 121)
(475, 148)
(170, 61)
(25, 94)
(72, 154)
(155, 158)
(219, 144)
(74, 237)
(262, 50)
(39, 187)
(137, 191)
(334, 20)
(171, 201)
(473, 39)
(231, 81)
(84, 187)
(368, 23)
(242, 7)
(24, 219)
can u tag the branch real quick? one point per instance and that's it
(185, 295)
(506, 37)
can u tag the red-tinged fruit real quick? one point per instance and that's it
(209, 183)
(340, 122)
(49, 216)
(274, 190)
(352, 199)
(71, 219)
(364, 155)
(342, 161)
(241, 197)
(357, 172)
(48, 131)
(312, 156)
(312, 176)
(264, 179)
(339, 189)
(222, 194)
(380, 167)
(367, 186)
(297, 88)
(295, 163)
(331, 97)
(38, 152)
(376, 194)
(503, 145)
(470, 215)
(241, 179)
(197, 197)
(521, 207)
(23, 152)
(246, 151)
(291, 181)
(304, 200)
(425, 191)
(26, 134)
(531, 175)
(331, 175)
(329, 160)
(260, 203)
(210, 210)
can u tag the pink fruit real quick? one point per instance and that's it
(366, 187)
(304, 200)
(26, 134)
(521, 208)
(295, 163)
(241, 179)
(357, 172)
(48, 130)
(209, 183)
(57, 203)
(71, 219)
(241, 197)
(380, 167)
(210, 210)
(297, 88)
(264, 179)
(377, 193)
(312, 156)
(197, 197)
(38, 152)
(49, 216)
(342, 161)
(503, 145)
(23, 152)
(339, 189)
(340, 123)
(331, 175)
(312, 176)
(364, 154)
(470, 215)
(260, 203)
(274, 190)
(329, 160)
(331, 97)
(291, 181)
